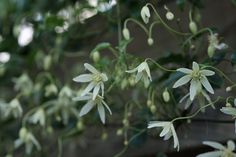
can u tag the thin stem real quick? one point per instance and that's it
(137, 22)
(118, 21)
(59, 141)
(151, 27)
(196, 113)
(158, 65)
(164, 24)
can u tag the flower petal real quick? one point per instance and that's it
(195, 66)
(95, 91)
(229, 110)
(138, 76)
(165, 130)
(108, 108)
(185, 70)
(176, 140)
(207, 72)
(153, 124)
(193, 89)
(231, 145)
(183, 80)
(132, 70)
(104, 77)
(215, 145)
(206, 84)
(86, 108)
(90, 68)
(211, 154)
(90, 86)
(83, 78)
(101, 112)
(82, 98)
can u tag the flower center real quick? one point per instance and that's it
(228, 153)
(97, 78)
(196, 74)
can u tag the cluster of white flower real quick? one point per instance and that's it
(96, 84)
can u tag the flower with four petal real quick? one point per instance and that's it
(197, 78)
(98, 101)
(143, 72)
(167, 132)
(221, 151)
(96, 80)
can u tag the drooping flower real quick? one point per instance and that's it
(215, 44)
(221, 150)
(38, 117)
(145, 14)
(91, 103)
(13, 109)
(167, 132)
(27, 138)
(143, 72)
(197, 78)
(96, 80)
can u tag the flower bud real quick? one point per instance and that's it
(47, 62)
(125, 122)
(80, 125)
(149, 103)
(119, 132)
(23, 133)
(211, 51)
(150, 41)
(169, 15)
(228, 104)
(145, 14)
(126, 142)
(104, 136)
(166, 96)
(126, 34)
(95, 56)
(153, 108)
(228, 89)
(193, 27)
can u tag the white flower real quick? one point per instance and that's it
(96, 80)
(197, 78)
(38, 117)
(126, 33)
(143, 72)
(27, 138)
(98, 101)
(145, 14)
(230, 111)
(213, 41)
(13, 108)
(221, 151)
(167, 132)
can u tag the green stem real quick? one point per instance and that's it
(137, 22)
(151, 27)
(118, 21)
(196, 113)
(158, 65)
(164, 24)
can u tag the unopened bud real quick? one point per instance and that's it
(80, 125)
(104, 136)
(228, 104)
(23, 133)
(153, 108)
(126, 34)
(125, 122)
(150, 41)
(119, 132)
(47, 62)
(149, 103)
(166, 96)
(169, 15)
(228, 89)
(193, 27)
(95, 56)
(211, 51)
(126, 142)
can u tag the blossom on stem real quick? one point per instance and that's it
(98, 101)
(96, 80)
(145, 14)
(167, 132)
(143, 72)
(197, 78)
(221, 150)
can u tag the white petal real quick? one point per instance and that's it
(86, 108)
(185, 70)
(153, 124)
(215, 145)
(183, 80)
(229, 110)
(18, 143)
(195, 66)
(148, 72)
(207, 72)
(193, 89)
(108, 108)
(187, 104)
(138, 76)
(206, 84)
(91, 68)
(104, 77)
(176, 141)
(82, 98)
(102, 88)
(132, 70)
(142, 66)
(90, 86)
(211, 154)
(165, 130)
(83, 78)
(35, 142)
(184, 97)
(168, 136)
(101, 112)
(146, 81)
(95, 91)
(231, 145)
(221, 46)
